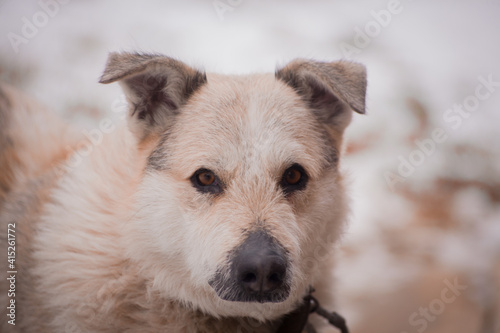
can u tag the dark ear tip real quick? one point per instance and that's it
(359, 109)
(104, 80)
(107, 77)
(112, 68)
(359, 106)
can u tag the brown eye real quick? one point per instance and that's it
(206, 181)
(293, 176)
(294, 179)
(206, 178)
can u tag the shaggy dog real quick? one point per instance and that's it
(214, 208)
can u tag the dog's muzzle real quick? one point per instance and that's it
(257, 272)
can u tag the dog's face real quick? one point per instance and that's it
(241, 188)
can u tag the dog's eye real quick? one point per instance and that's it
(206, 178)
(293, 176)
(294, 179)
(206, 181)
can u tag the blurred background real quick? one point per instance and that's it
(422, 253)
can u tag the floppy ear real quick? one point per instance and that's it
(156, 87)
(331, 89)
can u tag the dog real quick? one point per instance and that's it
(213, 208)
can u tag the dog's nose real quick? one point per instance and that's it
(260, 271)
(260, 267)
(257, 271)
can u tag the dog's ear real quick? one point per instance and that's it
(330, 88)
(156, 87)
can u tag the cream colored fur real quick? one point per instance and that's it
(116, 246)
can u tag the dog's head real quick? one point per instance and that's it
(241, 198)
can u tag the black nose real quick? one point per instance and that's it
(260, 271)
(259, 267)
(257, 271)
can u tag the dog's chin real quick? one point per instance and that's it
(257, 309)
(262, 311)
(249, 297)
(236, 293)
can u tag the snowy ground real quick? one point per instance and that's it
(425, 180)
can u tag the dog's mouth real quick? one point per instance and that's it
(258, 272)
(231, 290)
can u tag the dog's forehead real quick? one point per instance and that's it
(252, 119)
